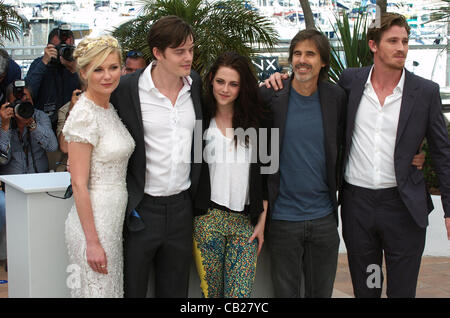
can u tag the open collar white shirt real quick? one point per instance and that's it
(168, 131)
(371, 157)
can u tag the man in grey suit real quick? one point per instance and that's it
(309, 112)
(161, 106)
(385, 202)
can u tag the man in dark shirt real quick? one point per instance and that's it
(309, 111)
(52, 78)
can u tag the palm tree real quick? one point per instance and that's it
(441, 14)
(218, 26)
(353, 43)
(307, 13)
(11, 23)
(381, 6)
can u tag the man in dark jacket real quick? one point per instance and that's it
(53, 77)
(309, 113)
(385, 201)
(161, 107)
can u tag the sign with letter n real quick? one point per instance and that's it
(265, 66)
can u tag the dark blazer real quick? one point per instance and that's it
(420, 117)
(257, 181)
(126, 100)
(332, 101)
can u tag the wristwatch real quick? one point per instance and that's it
(32, 125)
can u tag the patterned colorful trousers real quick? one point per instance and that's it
(226, 262)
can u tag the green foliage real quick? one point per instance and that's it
(440, 14)
(352, 50)
(11, 23)
(218, 26)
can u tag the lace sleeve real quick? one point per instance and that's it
(81, 125)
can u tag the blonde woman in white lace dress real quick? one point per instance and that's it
(99, 149)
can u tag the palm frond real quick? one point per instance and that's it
(218, 26)
(11, 23)
(352, 50)
(440, 14)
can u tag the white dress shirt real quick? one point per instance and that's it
(229, 169)
(168, 131)
(371, 158)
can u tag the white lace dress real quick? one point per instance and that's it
(112, 147)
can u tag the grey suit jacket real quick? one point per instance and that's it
(332, 101)
(126, 100)
(420, 117)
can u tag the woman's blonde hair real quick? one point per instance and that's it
(95, 51)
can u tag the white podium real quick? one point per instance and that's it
(37, 254)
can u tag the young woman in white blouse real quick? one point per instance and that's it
(230, 205)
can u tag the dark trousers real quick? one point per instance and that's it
(165, 243)
(306, 249)
(377, 221)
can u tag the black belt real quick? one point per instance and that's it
(385, 192)
(183, 195)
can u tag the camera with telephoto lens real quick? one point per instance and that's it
(64, 50)
(23, 109)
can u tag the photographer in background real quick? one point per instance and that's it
(134, 60)
(63, 113)
(52, 78)
(9, 72)
(25, 133)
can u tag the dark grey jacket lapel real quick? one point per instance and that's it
(410, 90)
(328, 113)
(196, 94)
(356, 93)
(135, 101)
(280, 107)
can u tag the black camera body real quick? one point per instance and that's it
(23, 109)
(64, 50)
